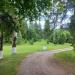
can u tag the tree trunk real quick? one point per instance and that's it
(14, 37)
(1, 45)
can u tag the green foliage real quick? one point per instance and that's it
(47, 29)
(32, 33)
(8, 17)
(13, 11)
(30, 8)
(6, 22)
(19, 38)
(72, 29)
(73, 2)
(31, 41)
(24, 29)
(7, 38)
(38, 31)
(60, 36)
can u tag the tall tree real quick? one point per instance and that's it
(37, 29)
(7, 25)
(47, 30)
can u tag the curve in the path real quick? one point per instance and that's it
(41, 63)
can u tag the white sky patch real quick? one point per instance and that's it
(37, 21)
(66, 21)
(58, 27)
(70, 13)
(64, 1)
(59, 20)
(42, 24)
(28, 23)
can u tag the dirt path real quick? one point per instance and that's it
(41, 63)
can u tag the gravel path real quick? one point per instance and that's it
(41, 63)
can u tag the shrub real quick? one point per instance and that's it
(60, 36)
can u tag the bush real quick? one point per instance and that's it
(60, 36)
(31, 41)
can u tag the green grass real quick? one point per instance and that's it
(38, 46)
(10, 63)
(68, 56)
(67, 60)
(8, 66)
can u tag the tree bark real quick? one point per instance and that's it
(14, 37)
(1, 45)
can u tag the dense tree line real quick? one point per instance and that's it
(34, 32)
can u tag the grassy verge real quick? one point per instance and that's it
(10, 63)
(67, 60)
(68, 57)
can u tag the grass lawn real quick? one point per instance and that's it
(68, 56)
(10, 63)
(67, 60)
